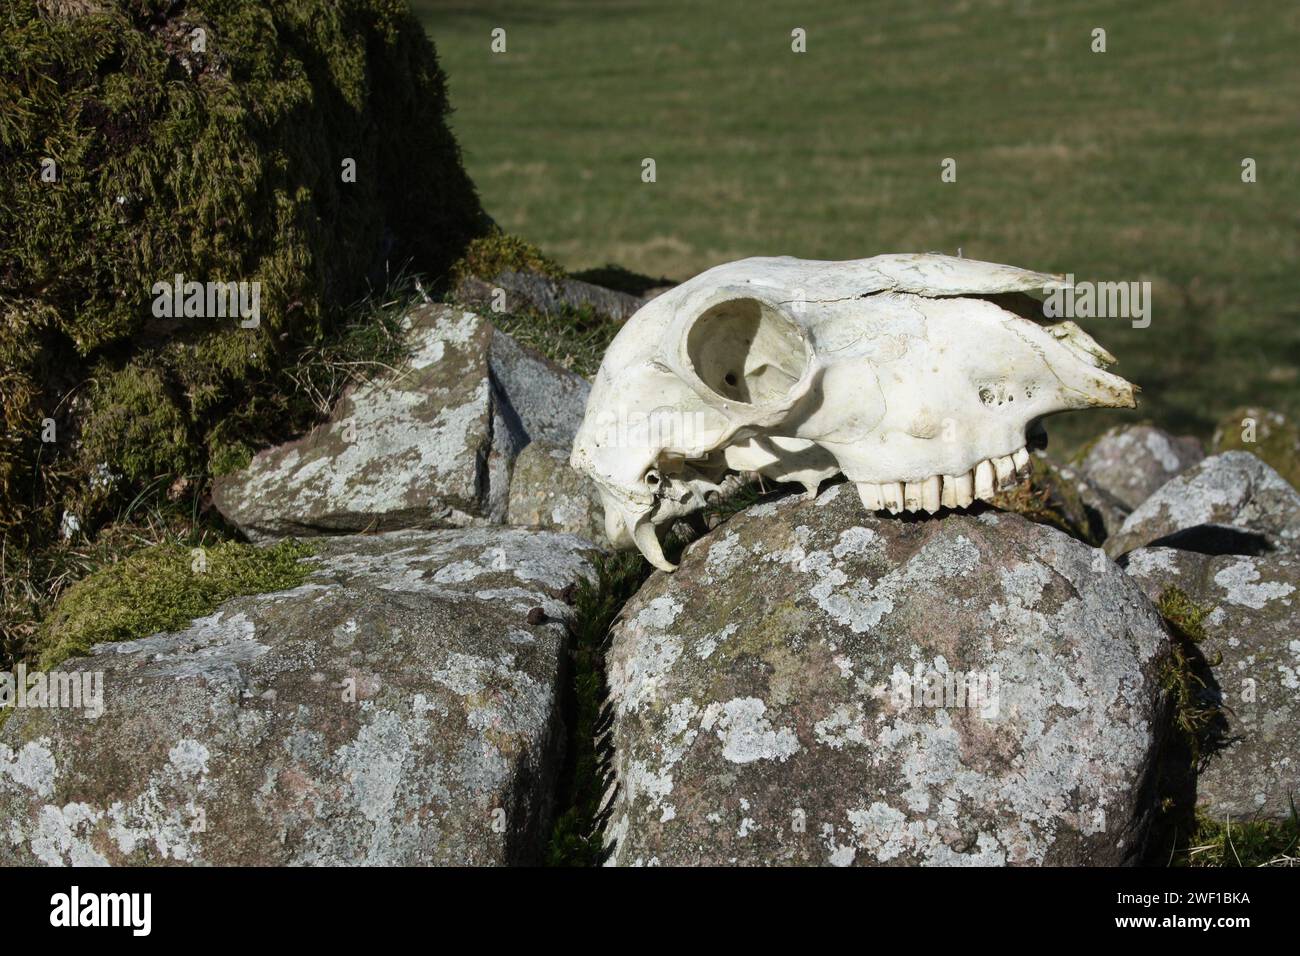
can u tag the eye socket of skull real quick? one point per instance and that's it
(746, 351)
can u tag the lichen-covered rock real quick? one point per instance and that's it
(1231, 493)
(546, 493)
(546, 399)
(1104, 512)
(1267, 434)
(1252, 646)
(430, 447)
(1130, 462)
(420, 450)
(397, 708)
(817, 685)
(550, 295)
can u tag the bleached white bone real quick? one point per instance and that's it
(887, 369)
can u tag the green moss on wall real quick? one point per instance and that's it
(128, 155)
(488, 256)
(133, 426)
(164, 588)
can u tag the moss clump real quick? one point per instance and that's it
(488, 256)
(131, 151)
(227, 455)
(575, 837)
(163, 588)
(1217, 843)
(133, 428)
(1197, 714)
(1183, 613)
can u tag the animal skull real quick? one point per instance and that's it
(886, 369)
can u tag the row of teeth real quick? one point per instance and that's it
(947, 491)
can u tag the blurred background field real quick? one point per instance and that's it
(1115, 166)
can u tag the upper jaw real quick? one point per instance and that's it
(636, 528)
(981, 482)
(632, 520)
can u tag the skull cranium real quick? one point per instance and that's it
(885, 369)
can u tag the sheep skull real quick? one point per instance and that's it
(885, 369)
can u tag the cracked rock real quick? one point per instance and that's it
(432, 446)
(1234, 492)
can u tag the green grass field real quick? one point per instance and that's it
(1116, 166)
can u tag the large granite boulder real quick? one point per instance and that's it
(432, 446)
(817, 684)
(1130, 462)
(1229, 502)
(1251, 655)
(402, 707)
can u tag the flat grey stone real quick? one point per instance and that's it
(1234, 490)
(525, 291)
